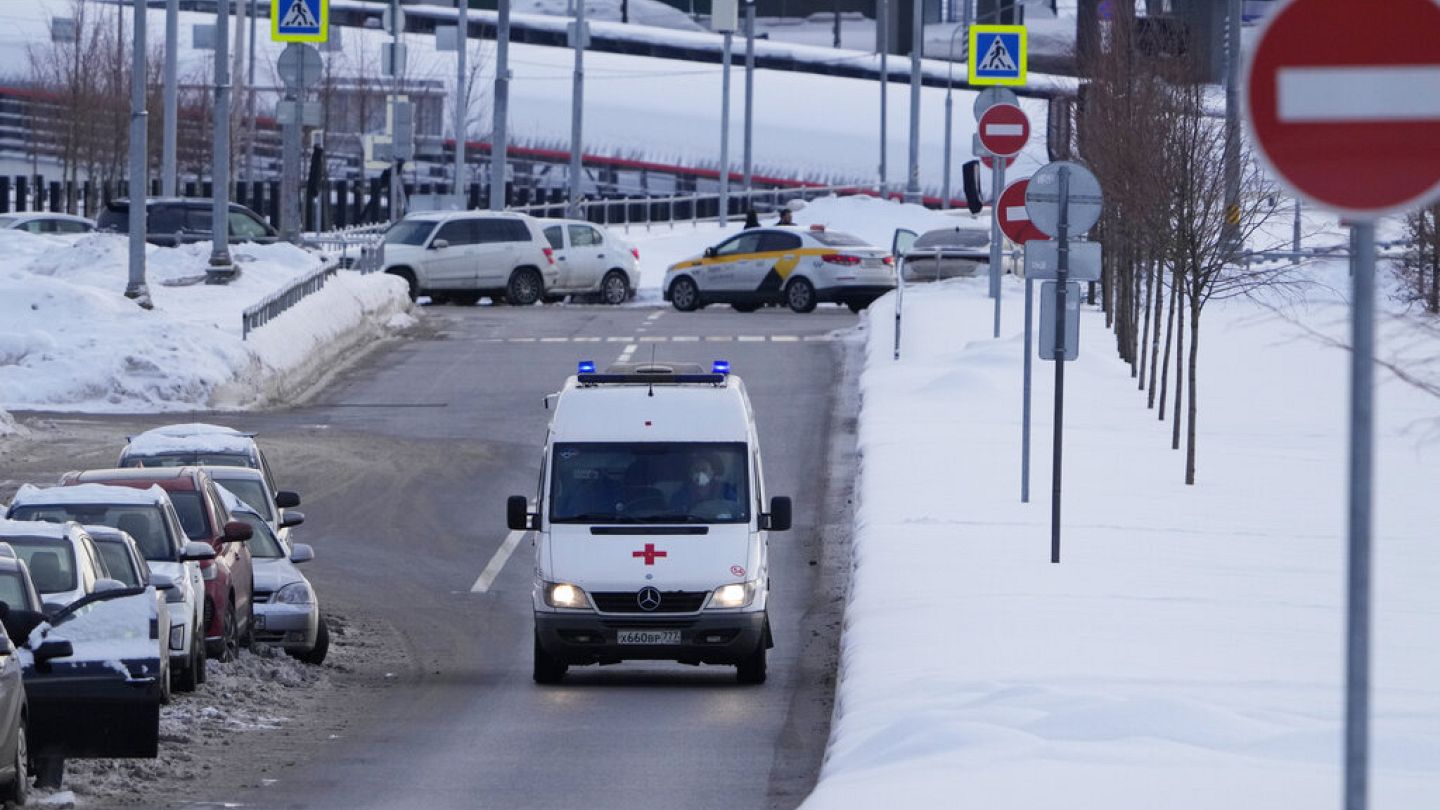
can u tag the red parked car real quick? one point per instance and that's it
(229, 607)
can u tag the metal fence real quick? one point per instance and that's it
(277, 302)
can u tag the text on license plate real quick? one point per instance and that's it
(647, 636)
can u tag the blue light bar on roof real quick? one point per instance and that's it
(720, 367)
(587, 366)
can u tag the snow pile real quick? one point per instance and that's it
(69, 340)
(1188, 651)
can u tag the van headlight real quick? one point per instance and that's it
(565, 595)
(734, 595)
(296, 593)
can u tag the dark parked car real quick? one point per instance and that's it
(229, 604)
(175, 221)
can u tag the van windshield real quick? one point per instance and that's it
(650, 482)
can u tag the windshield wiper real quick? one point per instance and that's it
(594, 517)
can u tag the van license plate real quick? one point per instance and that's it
(647, 636)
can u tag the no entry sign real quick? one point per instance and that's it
(1346, 111)
(1014, 219)
(1004, 130)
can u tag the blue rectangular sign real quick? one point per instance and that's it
(997, 55)
(299, 20)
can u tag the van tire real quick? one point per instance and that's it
(410, 282)
(547, 669)
(525, 287)
(685, 294)
(751, 669)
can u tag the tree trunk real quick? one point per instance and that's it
(1194, 404)
(1145, 329)
(1179, 363)
(1164, 365)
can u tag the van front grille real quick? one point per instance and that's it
(629, 602)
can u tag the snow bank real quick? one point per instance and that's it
(1188, 652)
(70, 341)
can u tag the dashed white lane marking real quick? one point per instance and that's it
(668, 339)
(627, 353)
(497, 562)
(654, 316)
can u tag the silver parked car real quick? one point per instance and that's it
(287, 610)
(45, 222)
(951, 253)
(594, 263)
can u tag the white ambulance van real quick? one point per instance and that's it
(651, 523)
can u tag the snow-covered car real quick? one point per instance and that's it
(18, 594)
(93, 681)
(593, 262)
(63, 561)
(149, 517)
(45, 222)
(202, 445)
(251, 487)
(287, 609)
(204, 518)
(459, 256)
(782, 265)
(125, 565)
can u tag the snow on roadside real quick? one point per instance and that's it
(1188, 652)
(70, 341)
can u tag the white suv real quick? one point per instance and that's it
(459, 256)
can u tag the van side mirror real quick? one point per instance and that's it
(518, 516)
(778, 520)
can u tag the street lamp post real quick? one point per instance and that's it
(917, 39)
(498, 132)
(577, 104)
(462, 97)
(949, 117)
(749, 93)
(136, 288)
(222, 267)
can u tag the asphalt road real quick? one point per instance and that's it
(404, 463)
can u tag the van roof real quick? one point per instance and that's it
(665, 412)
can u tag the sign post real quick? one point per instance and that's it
(1015, 223)
(1003, 131)
(1348, 117)
(1062, 197)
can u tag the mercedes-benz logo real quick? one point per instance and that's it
(648, 599)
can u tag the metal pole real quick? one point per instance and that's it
(724, 211)
(222, 268)
(462, 96)
(995, 255)
(1295, 235)
(1230, 232)
(949, 116)
(749, 95)
(899, 300)
(250, 100)
(395, 162)
(135, 287)
(499, 134)
(290, 158)
(917, 35)
(171, 98)
(1362, 427)
(577, 98)
(1062, 271)
(882, 22)
(1025, 405)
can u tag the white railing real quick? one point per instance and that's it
(663, 210)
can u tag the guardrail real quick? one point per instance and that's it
(277, 302)
(361, 240)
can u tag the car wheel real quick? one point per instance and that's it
(751, 670)
(615, 288)
(410, 282)
(49, 772)
(525, 287)
(547, 669)
(745, 307)
(18, 792)
(187, 677)
(800, 295)
(229, 636)
(684, 294)
(316, 655)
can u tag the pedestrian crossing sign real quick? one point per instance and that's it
(997, 55)
(299, 20)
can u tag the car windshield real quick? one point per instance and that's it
(251, 492)
(117, 562)
(192, 514)
(838, 239)
(409, 232)
(144, 523)
(188, 459)
(12, 591)
(650, 482)
(263, 544)
(953, 237)
(51, 562)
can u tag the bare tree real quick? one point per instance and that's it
(1419, 267)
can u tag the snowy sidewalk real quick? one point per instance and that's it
(1188, 652)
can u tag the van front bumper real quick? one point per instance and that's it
(706, 638)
